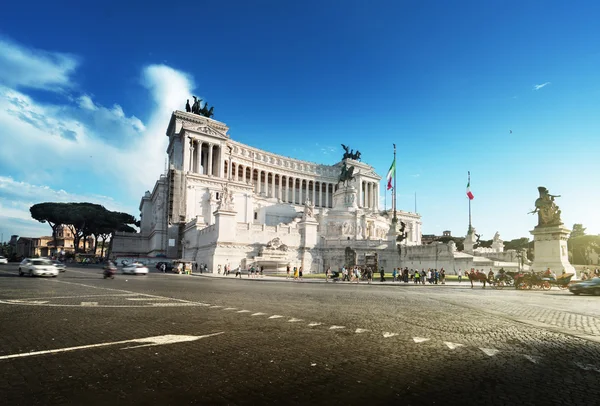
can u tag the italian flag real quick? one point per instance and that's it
(469, 193)
(390, 175)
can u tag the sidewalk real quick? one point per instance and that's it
(388, 281)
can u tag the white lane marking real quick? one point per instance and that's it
(276, 316)
(388, 335)
(489, 351)
(453, 346)
(215, 307)
(122, 290)
(532, 358)
(230, 308)
(294, 320)
(420, 339)
(587, 367)
(89, 303)
(146, 298)
(70, 297)
(361, 330)
(336, 327)
(258, 314)
(314, 324)
(244, 311)
(28, 301)
(149, 341)
(163, 304)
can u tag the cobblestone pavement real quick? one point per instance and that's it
(290, 343)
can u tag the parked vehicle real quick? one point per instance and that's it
(135, 269)
(60, 266)
(590, 287)
(3, 260)
(37, 267)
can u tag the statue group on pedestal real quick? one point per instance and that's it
(195, 108)
(347, 173)
(350, 154)
(547, 211)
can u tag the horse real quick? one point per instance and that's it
(478, 276)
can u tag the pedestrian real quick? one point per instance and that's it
(196, 267)
(345, 276)
(382, 275)
(327, 273)
(417, 276)
(295, 273)
(443, 276)
(459, 275)
(300, 273)
(238, 271)
(357, 274)
(287, 271)
(394, 275)
(163, 268)
(219, 269)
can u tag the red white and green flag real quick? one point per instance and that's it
(469, 193)
(390, 174)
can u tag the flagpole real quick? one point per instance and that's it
(395, 219)
(469, 183)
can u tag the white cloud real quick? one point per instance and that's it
(79, 140)
(33, 68)
(85, 102)
(17, 197)
(538, 87)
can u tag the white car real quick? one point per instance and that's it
(135, 269)
(37, 267)
(3, 260)
(60, 266)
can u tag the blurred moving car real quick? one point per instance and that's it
(60, 266)
(168, 266)
(37, 267)
(3, 260)
(590, 287)
(135, 269)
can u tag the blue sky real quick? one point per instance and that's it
(86, 93)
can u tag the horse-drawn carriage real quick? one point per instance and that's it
(498, 281)
(539, 281)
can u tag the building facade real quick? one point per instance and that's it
(222, 202)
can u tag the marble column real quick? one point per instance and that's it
(280, 191)
(210, 159)
(326, 194)
(199, 157)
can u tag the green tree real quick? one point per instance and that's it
(578, 230)
(582, 246)
(55, 214)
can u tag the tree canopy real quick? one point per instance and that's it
(582, 246)
(83, 219)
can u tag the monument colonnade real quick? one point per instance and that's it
(208, 158)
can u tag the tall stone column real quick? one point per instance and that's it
(360, 197)
(199, 157)
(326, 194)
(280, 192)
(314, 190)
(230, 169)
(210, 159)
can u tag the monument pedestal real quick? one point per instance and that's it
(345, 198)
(550, 250)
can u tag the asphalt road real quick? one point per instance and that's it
(178, 339)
